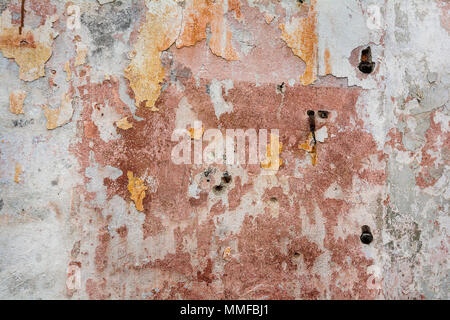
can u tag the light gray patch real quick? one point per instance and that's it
(107, 22)
(401, 22)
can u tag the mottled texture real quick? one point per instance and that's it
(92, 205)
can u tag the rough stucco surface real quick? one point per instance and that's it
(88, 190)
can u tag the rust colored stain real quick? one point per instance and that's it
(18, 172)
(30, 48)
(196, 133)
(273, 150)
(327, 61)
(300, 35)
(198, 14)
(16, 99)
(311, 147)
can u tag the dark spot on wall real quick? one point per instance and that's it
(218, 189)
(366, 236)
(1, 204)
(226, 178)
(106, 23)
(274, 199)
(281, 88)
(366, 65)
(22, 123)
(323, 114)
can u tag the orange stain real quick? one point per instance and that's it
(300, 35)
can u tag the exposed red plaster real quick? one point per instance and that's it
(425, 179)
(101, 252)
(122, 231)
(96, 290)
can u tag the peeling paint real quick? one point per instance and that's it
(199, 230)
(300, 35)
(159, 32)
(16, 99)
(31, 49)
(137, 189)
(124, 124)
(61, 115)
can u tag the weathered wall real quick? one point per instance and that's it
(92, 205)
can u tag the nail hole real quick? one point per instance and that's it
(218, 189)
(226, 178)
(281, 88)
(366, 65)
(273, 199)
(296, 254)
(366, 236)
(323, 114)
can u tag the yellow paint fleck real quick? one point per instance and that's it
(227, 253)
(80, 59)
(269, 17)
(124, 124)
(274, 148)
(16, 99)
(68, 71)
(327, 61)
(196, 133)
(31, 49)
(310, 147)
(18, 172)
(158, 33)
(137, 189)
(59, 116)
(300, 35)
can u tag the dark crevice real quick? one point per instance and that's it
(366, 65)
(22, 16)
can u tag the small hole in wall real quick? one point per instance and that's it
(296, 254)
(273, 199)
(281, 88)
(366, 236)
(323, 114)
(218, 189)
(366, 65)
(226, 178)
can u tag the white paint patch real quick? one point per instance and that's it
(322, 134)
(104, 117)
(334, 191)
(215, 92)
(184, 117)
